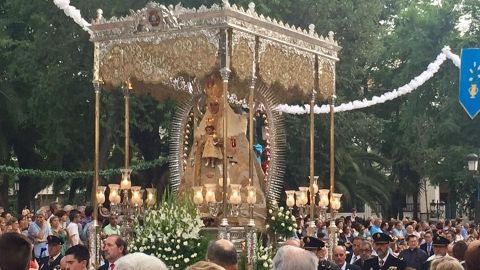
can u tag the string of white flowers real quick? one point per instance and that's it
(403, 90)
(73, 13)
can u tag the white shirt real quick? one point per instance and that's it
(72, 230)
(354, 258)
(344, 266)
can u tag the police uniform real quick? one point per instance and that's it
(313, 244)
(391, 261)
(49, 263)
(438, 241)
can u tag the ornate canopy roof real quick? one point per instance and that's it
(156, 44)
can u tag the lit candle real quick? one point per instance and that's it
(290, 198)
(101, 194)
(210, 193)
(251, 195)
(151, 196)
(336, 200)
(125, 183)
(112, 197)
(198, 195)
(323, 197)
(303, 195)
(235, 194)
(136, 199)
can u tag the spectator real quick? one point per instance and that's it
(413, 256)
(340, 256)
(375, 228)
(38, 232)
(140, 261)
(54, 207)
(427, 246)
(446, 263)
(472, 255)
(72, 228)
(203, 265)
(112, 227)
(293, 258)
(223, 253)
(58, 231)
(15, 252)
(3, 225)
(114, 247)
(459, 249)
(77, 258)
(354, 255)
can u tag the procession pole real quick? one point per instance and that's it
(94, 231)
(225, 74)
(311, 230)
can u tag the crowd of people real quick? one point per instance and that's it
(57, 238)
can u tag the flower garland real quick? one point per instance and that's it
(73, 13)
(171, 233)
(281, 222)
(403, 90)
(49, 174)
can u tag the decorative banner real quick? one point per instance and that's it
(469, 81)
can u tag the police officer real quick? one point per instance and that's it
(317, 246)
(440, 248)
(54, 256)
(385, 259)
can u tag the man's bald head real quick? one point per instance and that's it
(293, 242)
(223, 253)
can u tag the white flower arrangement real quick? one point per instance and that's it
(281, 222)
(264, 256)
(171, 233)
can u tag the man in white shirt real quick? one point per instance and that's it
(72, 229)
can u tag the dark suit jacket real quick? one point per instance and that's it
(424, 248)
(361, 262)
(104, 267)
(349, 257)
(373, 264)
(352, 267)
(44, 265)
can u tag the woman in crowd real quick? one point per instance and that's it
(57, 230)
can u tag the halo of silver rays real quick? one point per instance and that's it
(274, 174)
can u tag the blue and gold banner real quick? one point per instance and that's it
(469, 81)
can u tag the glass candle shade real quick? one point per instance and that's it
(198, 195)
(135, 200)
(126, 183)
(235, 197)
(304, 196)
(100, 194)
(290, 198)
(336, 201)
(323, 197)
(114, 197)
(251, 195)
(210, 193)
(151, 196)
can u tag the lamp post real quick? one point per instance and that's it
(437, 209)
(472, 160)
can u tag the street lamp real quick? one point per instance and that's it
(472, 160)
(437, 209)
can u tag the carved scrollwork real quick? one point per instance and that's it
(327, 79)
(242, 58)
(156, 63)
(286, 67)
